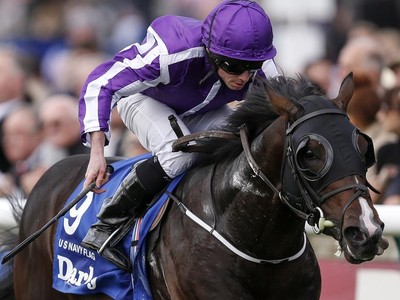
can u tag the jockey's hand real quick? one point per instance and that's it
(96, 170)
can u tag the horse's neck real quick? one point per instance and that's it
(247, 207)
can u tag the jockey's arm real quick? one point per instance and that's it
(96, 170)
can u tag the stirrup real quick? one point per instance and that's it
(114, 255)
(100, 251)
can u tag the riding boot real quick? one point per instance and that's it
(118, 212)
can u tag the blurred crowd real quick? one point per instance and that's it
(371, 50)
(48, 48)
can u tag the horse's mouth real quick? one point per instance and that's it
(353, 259)
(367, 252)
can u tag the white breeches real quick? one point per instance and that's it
(148, 119)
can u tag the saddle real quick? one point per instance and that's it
(185, 143)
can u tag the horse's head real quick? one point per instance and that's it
(324, 174)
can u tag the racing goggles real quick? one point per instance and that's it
(236, 67)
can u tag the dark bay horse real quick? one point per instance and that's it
(298, 159)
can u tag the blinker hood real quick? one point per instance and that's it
(330, 126)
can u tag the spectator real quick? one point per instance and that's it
(389, 38)
(362, 28)
(388, 158)
(11, 91)
(362, 54)
(129, 25)
(59, 117)
(364, 105)
(319, 71)
(84, 27)
(78, 68)
(362, 110)
(121, 143)
(130, 145)
(24, 148)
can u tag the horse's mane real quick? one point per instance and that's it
(257, 112)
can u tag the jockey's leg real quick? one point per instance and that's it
(138, 189)
(148, 119)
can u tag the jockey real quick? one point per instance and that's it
(186, 68)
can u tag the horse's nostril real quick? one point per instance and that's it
(355, 235)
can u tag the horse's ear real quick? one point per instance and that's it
(283, 105)
(345, 92)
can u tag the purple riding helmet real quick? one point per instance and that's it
(238, 30)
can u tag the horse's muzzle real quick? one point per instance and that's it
(359, 245)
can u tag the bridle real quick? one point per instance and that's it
(311, 210)
(311, 213)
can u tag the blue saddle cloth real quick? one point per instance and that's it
(79, 270)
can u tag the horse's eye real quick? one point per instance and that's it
(309, 155)
(306, 158)
(313, 156)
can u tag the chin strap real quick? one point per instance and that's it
(212, 71)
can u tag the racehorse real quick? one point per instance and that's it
(238, 231)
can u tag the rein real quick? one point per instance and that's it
(322, 223)
(315, 217)
(182, 144)
(226, 243)
(257, 171)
